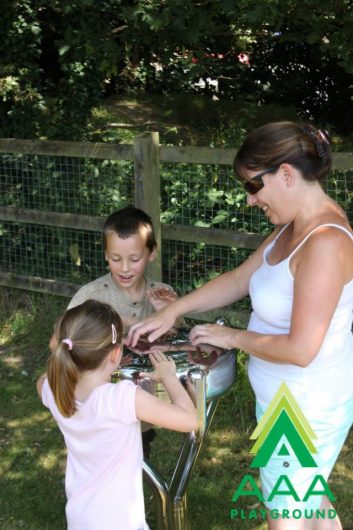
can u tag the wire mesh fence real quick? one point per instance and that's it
(187, 266)
(75, 256)
(209, 196)
(206, 195)
(63, 184)
(201, 195)
(59, 184)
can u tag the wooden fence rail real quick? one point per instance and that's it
(146, 154)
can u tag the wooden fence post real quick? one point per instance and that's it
(147, 189)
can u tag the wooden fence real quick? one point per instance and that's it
(147, 155)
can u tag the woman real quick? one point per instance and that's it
(300, 281)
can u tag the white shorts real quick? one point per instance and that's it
(331, 428)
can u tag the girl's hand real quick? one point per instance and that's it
(163, 367)
(214, 334)
(161, 297)
(125, 360)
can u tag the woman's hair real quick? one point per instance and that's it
(299, 144)
(85, 335)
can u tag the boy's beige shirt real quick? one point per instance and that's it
(105, 290)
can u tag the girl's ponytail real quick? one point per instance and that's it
(62, 376)
(85, 335)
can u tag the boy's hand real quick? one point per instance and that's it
(161, 297)
(163, 367)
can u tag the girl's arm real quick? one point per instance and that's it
(40, 384)
(219, 292)
(324, 267)
(180, 414)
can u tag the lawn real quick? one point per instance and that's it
(33, 455)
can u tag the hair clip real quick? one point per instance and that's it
(324, 136)
(68, 342)
(114, 334)
(320, 139)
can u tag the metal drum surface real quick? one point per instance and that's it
(216, 366)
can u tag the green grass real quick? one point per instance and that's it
(33, 455)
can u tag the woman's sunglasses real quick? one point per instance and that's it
(256, 184)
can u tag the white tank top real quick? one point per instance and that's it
(328, 380)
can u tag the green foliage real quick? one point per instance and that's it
(56, 57)
(65, 185)
(296, 54)
(59, 59)
(22, 101)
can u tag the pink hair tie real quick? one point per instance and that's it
(68, 342)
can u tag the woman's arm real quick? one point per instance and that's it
(219, 292)
(325, 265)
(180, 414)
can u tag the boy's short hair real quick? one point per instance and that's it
(128, 222)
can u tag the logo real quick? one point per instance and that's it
(283, 418)
(283, 431)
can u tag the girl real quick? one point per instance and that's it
(100, 421)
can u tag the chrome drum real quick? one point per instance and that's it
(206, 371)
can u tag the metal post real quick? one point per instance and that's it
(160, 494)
(172, 501)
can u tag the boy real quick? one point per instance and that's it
(129, 245)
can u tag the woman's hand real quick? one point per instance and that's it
(214, 334)
(156, 325)
(145, 348)
(164, 367)
(161, 297)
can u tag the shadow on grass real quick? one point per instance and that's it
(32, 458)
(32, 450)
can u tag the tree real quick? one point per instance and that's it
(61, 57)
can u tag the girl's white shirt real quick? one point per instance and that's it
(104, 459)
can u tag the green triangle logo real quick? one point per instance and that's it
(283, 418)
(283, 451)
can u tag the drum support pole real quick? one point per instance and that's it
(183, 470)
(172, 501)
(160, 494)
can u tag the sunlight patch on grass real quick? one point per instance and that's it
(27, 421)
(13, 474)
(4, 334)
(222, 451)
(223, 436)
(52, 460)
(101, 113)
(13, 361)
(344, 472)
(18, 323)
